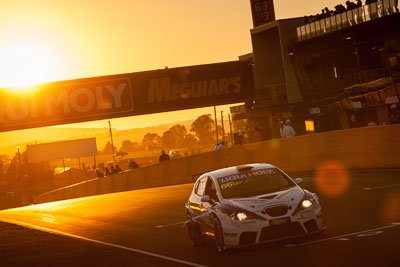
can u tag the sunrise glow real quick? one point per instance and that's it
(25, 63)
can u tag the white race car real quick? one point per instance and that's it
(250, 204)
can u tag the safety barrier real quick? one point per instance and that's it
(360, 148)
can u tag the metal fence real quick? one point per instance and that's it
(365, 76)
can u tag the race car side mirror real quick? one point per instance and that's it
(298, 181)
(207, 199)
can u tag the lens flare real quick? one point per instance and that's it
(332, 179)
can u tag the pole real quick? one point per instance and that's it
(94, 162)
(20, 178)
(222, 124)
(230, 126)
(79, 162)
(112, 142)
(19, 166)
(216, 123)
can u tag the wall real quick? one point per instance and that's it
(360, 148)
(288, 34)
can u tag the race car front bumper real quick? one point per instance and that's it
(255, 231)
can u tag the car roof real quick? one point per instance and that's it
(236, 169)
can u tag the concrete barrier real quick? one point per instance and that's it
(360, 148)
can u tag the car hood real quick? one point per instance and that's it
(289, 197)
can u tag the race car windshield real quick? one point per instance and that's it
(254, 183)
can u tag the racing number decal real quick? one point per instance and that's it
(230, 184)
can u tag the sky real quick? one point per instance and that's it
(47, 40)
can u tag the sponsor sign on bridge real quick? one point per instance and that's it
(126, 95)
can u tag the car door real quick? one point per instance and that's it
(195, 199)
(204, 186)
(210, 190)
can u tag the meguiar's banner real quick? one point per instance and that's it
(126, 95)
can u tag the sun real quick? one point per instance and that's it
(26, 63)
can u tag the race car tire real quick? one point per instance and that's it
(219, 235)
(193, 231)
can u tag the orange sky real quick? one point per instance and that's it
(47, 40)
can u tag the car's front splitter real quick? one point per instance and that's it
(252, 232)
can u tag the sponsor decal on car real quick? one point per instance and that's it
(236, 179)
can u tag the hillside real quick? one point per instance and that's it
(9, 141)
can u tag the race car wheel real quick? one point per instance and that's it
(193, 231)
(219, 235)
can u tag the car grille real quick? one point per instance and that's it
(311, 226)
(281, 231)
(276, 211)
(247, 238)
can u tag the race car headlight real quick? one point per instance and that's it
(306, 203)
(241, 216)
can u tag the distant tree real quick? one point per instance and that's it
(203, 127)
(128, 146)
(151, 141)
(4, 163)
(13, 166)
(179, 131)
(174, 136)
(107, 150)
(190, 141)
(168, 140)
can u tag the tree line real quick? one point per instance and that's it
(201, 134)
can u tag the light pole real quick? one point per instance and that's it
(112, 142)
(222, 125)
(216, 123)
(19, 166)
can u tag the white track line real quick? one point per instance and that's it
(381, 187)
(342, 236)
(376, 170)
(101, 242)
(167, 225)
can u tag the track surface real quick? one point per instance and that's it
(363, 225)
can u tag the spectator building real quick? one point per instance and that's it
(334, 72)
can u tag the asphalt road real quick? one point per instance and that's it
(362, 215)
